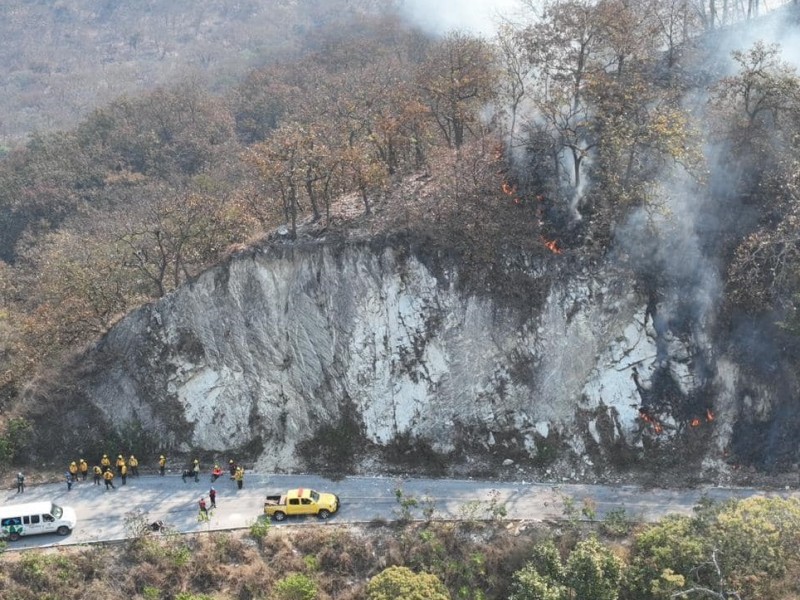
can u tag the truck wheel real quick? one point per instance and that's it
(63, 530)
(324, 514)
(13, 536)
(279, 516)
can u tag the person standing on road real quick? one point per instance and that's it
(20, 482)
(120, 463)
(123, 472)
(133, 465)
(212, 496)
(83, 467)
(98, 473)
(196, 470)
(232, 468)
(162, 464)
(73, 470)
(68, 476)
(203, 514)
(109, 478)
(239, 477)
(216, 473)
(105, 463)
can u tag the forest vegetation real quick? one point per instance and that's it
(544, 139)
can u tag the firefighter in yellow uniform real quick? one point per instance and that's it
(133, 465)
(109, 477)
(73, 470)
(162, 464)
(120, 463)
(238, 477)
(83, 467)
(105, 463)
(98, 473)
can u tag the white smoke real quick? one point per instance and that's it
(479, 17)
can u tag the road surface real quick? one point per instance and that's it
(101, 513)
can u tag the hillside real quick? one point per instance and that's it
(61, 60)
(415, 254)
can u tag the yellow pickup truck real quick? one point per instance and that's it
(302, 501)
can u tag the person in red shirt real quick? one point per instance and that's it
(203, 514)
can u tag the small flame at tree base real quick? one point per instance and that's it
(653, 422)
(552, 246)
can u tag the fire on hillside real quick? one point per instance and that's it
(511, 190)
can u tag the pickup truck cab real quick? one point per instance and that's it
(302, 501)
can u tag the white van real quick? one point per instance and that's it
(36, 517)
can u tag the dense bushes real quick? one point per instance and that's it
(747, 548)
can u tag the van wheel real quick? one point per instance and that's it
(63, 530)
(279, 516)
(13, 536)
(324, 514)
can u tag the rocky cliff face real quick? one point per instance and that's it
(354, 357)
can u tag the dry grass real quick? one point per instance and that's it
(339, 559)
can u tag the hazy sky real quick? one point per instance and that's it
(440, 16)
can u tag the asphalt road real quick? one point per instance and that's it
(102, 513)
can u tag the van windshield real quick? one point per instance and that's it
(56, 511)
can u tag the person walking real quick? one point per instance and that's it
(20, 482)
(238, 477)
(83, 467)
(212, 496)
(73, 470)
(105, 463)
(133, 465)
(120, 463)
(231, 468)
(98, 474)
(162, 464)
(203, 514)
(69, 478)
(216, 473)
(196, 471)
(123, 472)
(108, 476)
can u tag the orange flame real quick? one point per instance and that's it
(695, 422)
(709, 415)
(552, 246)
(650, 421)
(509, 189)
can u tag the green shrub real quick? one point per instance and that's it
(616, 523)
(260, 528)
(14, 440)
(401, 583)
(295, 587)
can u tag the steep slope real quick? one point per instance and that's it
(364, 356)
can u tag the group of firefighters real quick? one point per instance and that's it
(130, 466)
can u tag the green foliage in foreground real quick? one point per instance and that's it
(401, 583)
(592, 572)
(295, 587)
(747, 548)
